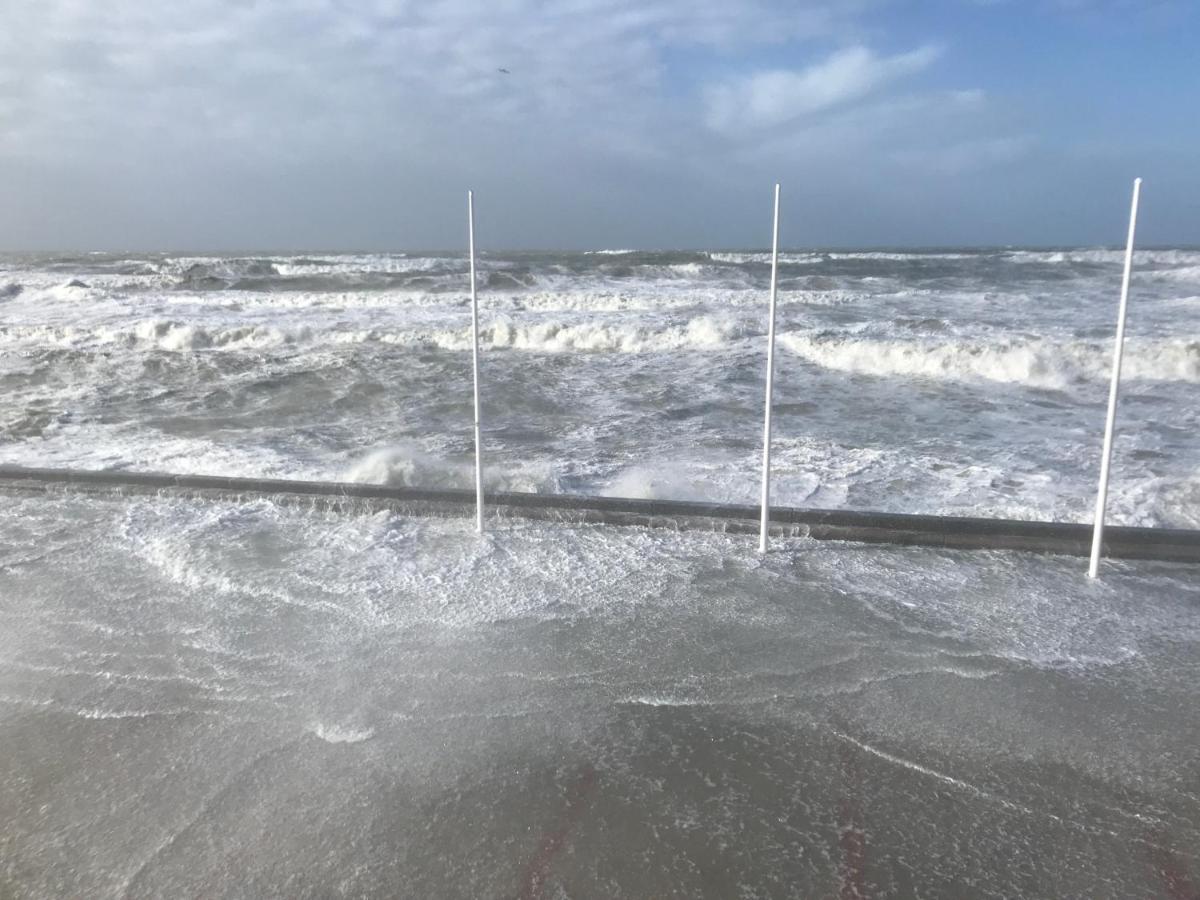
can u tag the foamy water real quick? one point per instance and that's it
(951, 381)
(226, 699)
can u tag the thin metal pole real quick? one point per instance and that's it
(766, 470)
(1114, 389)
(475, 364)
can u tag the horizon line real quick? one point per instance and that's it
(828, 248)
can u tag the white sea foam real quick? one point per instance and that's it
(341, 734)
(98, 713)
(661, 700)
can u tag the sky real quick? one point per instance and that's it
(360, 124)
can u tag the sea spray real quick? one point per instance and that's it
(404, 465)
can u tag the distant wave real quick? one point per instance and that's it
(363, 265)
(224, 272)
(1106, 257)
(306, 273)
(1046, 364)
(1098, 256)
(431, 273)
(903, 256)
(787, 259)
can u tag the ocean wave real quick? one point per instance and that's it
(37, 295)
(902, 256)
(1045, 364)
(705, 331)
(381, 263)
(556, 337)
(1103, 256)
(689, 272)
(222, 273)
(345, 272)
(787, 259)
(797, 292)
(179, 336)
(1184, 273)
(502, 334)
(1040, 363)
(504, 280)
(1095, 256)
(70, 292)
(159, 333)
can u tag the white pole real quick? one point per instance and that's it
(475, 364)
(1114, 389)
(766, 471)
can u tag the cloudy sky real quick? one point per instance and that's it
(235, 124)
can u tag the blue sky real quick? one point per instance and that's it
(218, 124)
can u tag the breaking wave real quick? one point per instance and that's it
(705, 331)
(546, 337)
(787, 259)
(1044, 364)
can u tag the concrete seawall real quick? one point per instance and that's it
(1175, 545)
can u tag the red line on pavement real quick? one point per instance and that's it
(536, 873)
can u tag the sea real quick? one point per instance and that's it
(940, 381)
(237, 697)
